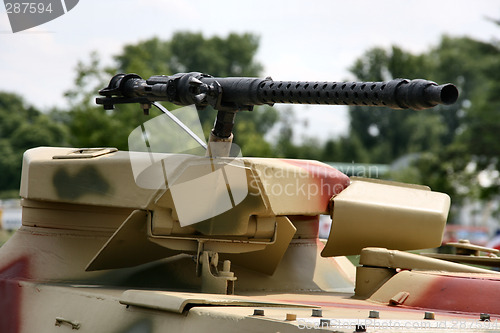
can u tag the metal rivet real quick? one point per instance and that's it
(374, 314)
(291, 316)
(258, 312)
(317, 313)
(429, 315)
(360, 328)
(484, 317)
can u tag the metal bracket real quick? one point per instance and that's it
(74, 324)
(464, 247)
(468, 253)
(214, 281)
(85, 153)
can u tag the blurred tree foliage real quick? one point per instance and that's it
(451, 148)
(84, 124)
(185, 52)
(22, 127)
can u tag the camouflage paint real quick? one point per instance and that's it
(467, 294)
(11, 294)
(141, 326)
(87, 180)
(329, 180)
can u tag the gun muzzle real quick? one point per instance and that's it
(444, 94)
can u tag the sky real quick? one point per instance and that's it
(299, 40)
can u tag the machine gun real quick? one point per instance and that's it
(255, 221)
(232, 94)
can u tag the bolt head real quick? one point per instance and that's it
(484, 317)
(317, 313)
(258, 312)
(324, 323)
(429, 315)
(360, 328)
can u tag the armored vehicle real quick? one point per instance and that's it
(179, 235)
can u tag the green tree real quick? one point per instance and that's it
(455, 143)
(185, 52)
(22, 127)
(389, 134)
(480, 126)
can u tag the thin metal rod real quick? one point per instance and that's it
(180, 124)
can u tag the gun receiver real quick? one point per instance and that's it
(228, 95)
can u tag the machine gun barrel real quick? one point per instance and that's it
(240, 93)
(232, 94)
(396, 94)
